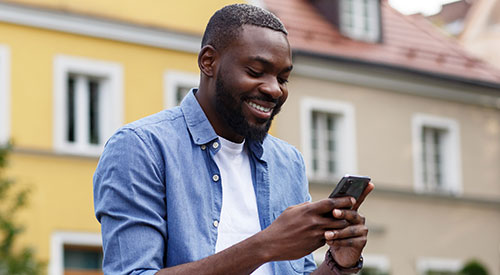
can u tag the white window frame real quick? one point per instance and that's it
(172, 80)
(59, 239)
(357, 31)
(377, 261)
(426, 264)
(4, 94)
(111, 74)
(451, 160)
(346, 129)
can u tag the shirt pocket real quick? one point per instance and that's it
(297, 265)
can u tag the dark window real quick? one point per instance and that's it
(94, 112)
(82, 260)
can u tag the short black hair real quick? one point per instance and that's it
(226, 24)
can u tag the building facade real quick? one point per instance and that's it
(372, 92)
(481, 34)
(71, 73)
(401, 103)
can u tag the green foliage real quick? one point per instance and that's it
(372, 271)
(434, 272)
(473, 267)
(12, 261)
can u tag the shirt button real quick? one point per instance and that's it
(216, 223)
(215, 145)
(215, 177)
(203, 147)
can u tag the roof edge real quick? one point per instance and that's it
(434, 75)
(99, 27)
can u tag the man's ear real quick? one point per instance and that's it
(207, 60)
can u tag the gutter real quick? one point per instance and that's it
(391, 67)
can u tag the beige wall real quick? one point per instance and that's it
(485, 46)
(384, 133)
(481, 35)
(405, 226)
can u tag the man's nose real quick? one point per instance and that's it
(271, 87)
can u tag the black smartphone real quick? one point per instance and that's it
(350, 185)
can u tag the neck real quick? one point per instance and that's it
(206, 99)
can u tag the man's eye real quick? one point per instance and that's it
(282, 80)
(254, 73)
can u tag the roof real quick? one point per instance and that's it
(409, 43)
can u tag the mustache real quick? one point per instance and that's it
(267, 98)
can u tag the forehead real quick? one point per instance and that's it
(262, 42)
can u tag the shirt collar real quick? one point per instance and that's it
(200, 128)
(197, 122)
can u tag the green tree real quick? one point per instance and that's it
(473, 267)
(20, 261)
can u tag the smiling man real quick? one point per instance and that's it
(203, 189)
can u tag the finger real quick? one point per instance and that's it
(349, 242)
(352, 216)
(361, 198)
(349, 232)
(327, 205)
(329, 224)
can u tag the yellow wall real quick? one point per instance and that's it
(61, 196)
(186, 15)
(32, 56)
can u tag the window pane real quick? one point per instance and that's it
(366, 16)
(349, 13)
(331, 166)
(359, 19)
(323, 144)
(181, 92)
(314, 140)
(70, 104)
(82, 258)
(94, 112)
(432, 158)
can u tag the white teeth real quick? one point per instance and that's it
(258, 107)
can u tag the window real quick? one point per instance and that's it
(177, 85)
(324, 138)
(435, 266)
(82, 260)
(88, 104)
(375, 265)
(75, 254)
(4, 94)
(436, 155)
(360, 19)
(328, 140)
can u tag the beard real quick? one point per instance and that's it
(230, 109)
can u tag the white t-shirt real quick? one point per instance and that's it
(239, 216)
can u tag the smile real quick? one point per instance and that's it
(259, 107)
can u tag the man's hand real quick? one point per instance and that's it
(300, 229)
(346, 244)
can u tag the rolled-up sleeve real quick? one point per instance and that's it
(129, 201)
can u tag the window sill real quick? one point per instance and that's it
(52, 153)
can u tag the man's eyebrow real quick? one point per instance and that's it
(266, 62)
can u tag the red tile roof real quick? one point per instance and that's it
(410, 43)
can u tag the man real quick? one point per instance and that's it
(202, 188)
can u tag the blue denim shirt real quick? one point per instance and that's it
(157, 191)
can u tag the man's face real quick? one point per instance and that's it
(251, 81)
